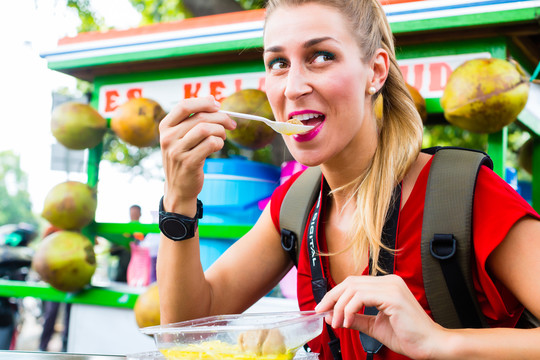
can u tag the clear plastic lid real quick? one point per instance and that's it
(238, 322)
(257, 334)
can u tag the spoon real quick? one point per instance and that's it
(284, 128)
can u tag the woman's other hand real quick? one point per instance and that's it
(401, 324)
(191, 131)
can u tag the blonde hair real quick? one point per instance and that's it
(400, 128)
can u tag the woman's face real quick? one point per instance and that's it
(314, 72)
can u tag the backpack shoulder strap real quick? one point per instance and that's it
(295, 209)
(447, 237)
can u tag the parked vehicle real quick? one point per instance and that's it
(15, 262)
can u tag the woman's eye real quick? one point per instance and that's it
(276, 64)
(323, 56)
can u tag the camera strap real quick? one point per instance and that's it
(319, 282)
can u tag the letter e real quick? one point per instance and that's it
(110, 100)
(216, 88)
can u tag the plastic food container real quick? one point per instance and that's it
(275, 336)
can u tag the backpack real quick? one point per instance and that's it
(446, 233)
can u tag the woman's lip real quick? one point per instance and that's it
(302, 112)
(310, 134)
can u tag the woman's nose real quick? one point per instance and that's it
(297, 83)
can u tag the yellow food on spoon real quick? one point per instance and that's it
(294, 121)
(290, 132)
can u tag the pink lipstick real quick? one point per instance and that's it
(308, 117)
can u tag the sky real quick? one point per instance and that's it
(28, 27)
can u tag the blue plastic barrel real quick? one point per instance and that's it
(511, 177)
(525, 190)
(231, 194)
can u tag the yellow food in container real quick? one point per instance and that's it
(267, 336)
(218, 350)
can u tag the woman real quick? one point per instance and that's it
(326, 62)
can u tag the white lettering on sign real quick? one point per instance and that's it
(428, 75)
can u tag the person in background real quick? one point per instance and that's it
(151, 242)
(122, 252)
(135, 213)
(326, 62)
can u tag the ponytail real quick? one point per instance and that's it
(399, 142)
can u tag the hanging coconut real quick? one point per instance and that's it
(419, 103)
(70, 205)
(66, 260)
(248, 134)
(77, 126)
(137, 122)
(485, 95)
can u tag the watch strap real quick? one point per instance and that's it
(179, 227)
(198, 214)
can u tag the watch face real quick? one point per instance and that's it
(174, 228)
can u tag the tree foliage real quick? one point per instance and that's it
(127, 156)
(89, 20)
(157, 11)
(153, 11)
(15, 205)
(252, 4)
(447, 135)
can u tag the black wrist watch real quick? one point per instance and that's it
(179, 227)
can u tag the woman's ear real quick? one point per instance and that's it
(380, 67)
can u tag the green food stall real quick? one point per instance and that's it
(221, 54)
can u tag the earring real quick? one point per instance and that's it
(372, 90)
